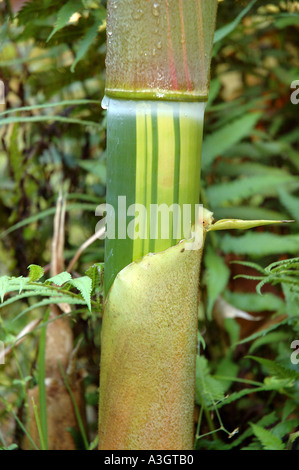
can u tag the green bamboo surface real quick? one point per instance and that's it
(154, 158)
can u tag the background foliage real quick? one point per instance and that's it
(52, 132)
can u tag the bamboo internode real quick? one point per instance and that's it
(159, 49)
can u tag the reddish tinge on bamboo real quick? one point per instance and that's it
(159, 49)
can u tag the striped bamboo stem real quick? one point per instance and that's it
(157, 81)
(154, 157)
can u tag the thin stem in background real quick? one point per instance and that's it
(76, 409)
(38, 425)
(83, 247)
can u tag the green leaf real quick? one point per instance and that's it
(270, 338)
(268, 440)
(50, 105)
(97, 168)
(35, 272)
(60, 279)
(215, 87)
(263, 332)
(4, 280)
(294, 436)
(86, 42)
(233, 329)
(243, 168)
(260, 244)
(266, 420)
(15, 156)
(33, 293)
(37, 9)
(290, 202)
(276, 369)
(46, 213)
(64, 15)
(284, 21)
(282, 429)
(251, 302)
(243, 188)
(292, 299)
(248, 212)
(53, 299)
(216, 277)
(32, 119)
(218, 142)
(227, 29)
(228, 370)
(208, 389)
(283, 265)
(288, 408)
(95, 272)
(84, 285)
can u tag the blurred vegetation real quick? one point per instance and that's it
(52, 133)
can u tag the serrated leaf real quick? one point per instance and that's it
(95, 273)
(60, 279)
(276, 369)
(35, 272)
(22, 283)
(268, 440)
(36, 9)
(84, 285)
(292, 299)
(3, 286)
(64, 15)
(86, 42)
(283, 264)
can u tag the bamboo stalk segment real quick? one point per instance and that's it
(159, 49)
(154, 160)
